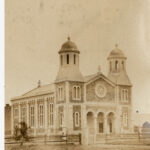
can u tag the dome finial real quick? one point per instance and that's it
(39, 83)
(116, 45)
(68, 38)
(99, 69)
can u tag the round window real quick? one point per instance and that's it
(100, 90)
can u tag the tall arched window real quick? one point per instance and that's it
(61, 118)
(77, 119)
(74, 59)
(123, 65)
(74, 92)
(124, 95)
(116, 65)
(125, 119)
(61, 57)
(78, 92)
(41, 115)
(60, 93)
(110, 66)
(67, 58)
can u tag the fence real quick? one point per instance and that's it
(53, 139)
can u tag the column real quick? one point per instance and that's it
(84, 126)
(36, 118)
(105, 125)
(12, 121)
(27, 114)
(95, 127)
(45, 115)
(19, 113)
(66, 108)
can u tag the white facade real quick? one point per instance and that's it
(93, 105)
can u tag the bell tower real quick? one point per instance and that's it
(69, 63)
(116, 61)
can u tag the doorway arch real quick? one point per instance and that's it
(100, 122)
(90, 122)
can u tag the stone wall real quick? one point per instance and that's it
(91, 94)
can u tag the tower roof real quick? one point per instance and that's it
(116, 53)
(69, 46)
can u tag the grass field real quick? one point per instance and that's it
(77, 147)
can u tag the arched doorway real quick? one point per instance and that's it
(110, 122)
(100, 122)
(90, 122)
(90, 126)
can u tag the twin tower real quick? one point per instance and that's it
(69, 64)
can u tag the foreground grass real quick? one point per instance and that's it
(76, 147)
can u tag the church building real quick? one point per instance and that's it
(93, 105)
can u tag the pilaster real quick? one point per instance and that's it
(36, 118)
(12, 120)
(19, 113)
(27, 105)
(45, 115)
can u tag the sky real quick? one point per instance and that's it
(36, 29)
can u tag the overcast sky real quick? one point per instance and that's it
(36, 29)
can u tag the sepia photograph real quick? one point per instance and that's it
(77, 75)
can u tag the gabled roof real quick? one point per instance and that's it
(45, 89)
(93, 77)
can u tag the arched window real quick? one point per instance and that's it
(61, 57)
(60, 93)
(77, 119)
(74, 59)
(50, 114)
(116, 65)
(124, 95)
(41, 115)
(123, 65)
(76, 92)
(67, 58)
(61, 118)
(110, 66)
(125, 119)
(31, 116)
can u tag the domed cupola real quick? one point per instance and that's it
(116, 60)
(117, 67)
(69, 46)
(69, 63)
(116, 53)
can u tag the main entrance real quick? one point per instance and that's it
(99, 125)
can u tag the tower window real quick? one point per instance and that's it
(61, 60)
(110, 66)
(122, 65)
(74, 59)
(116, 65)
(67, 58)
